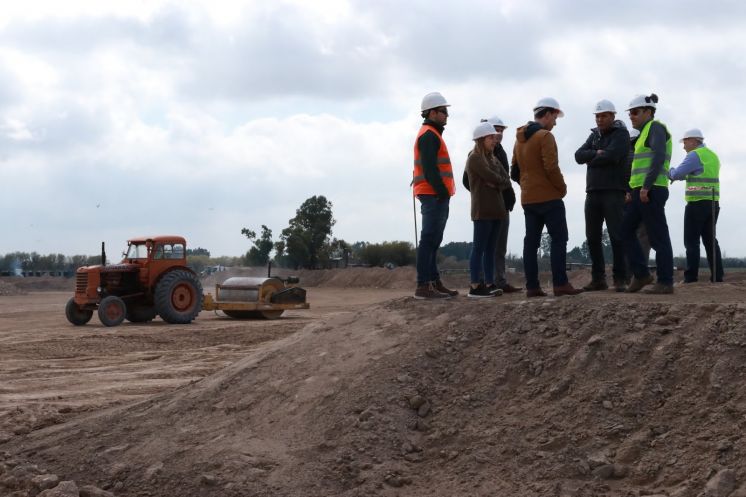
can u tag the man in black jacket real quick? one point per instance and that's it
(501, 248)
(606, 153)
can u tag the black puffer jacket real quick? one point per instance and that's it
(508, 194)
(609, 170)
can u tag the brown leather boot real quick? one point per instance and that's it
(596, 286)
(442, 289)
(566, 289)
(638, 283)
(508, 288)
(535, 292)
(428, 292)
(659, 288)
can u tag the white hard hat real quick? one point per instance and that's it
(496, 121)
(433, 100)
(549, 102)
(604, 106)
(643, 101)
(692, 133)
(483, 129)
(634, 133)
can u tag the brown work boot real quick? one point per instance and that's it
(659, 289)
(535, 292)
(442, 289)
(620, 286)
(596, 286)
(428, 292)
(637, 283)
(508, 288)
(566, 289)
(495, 290)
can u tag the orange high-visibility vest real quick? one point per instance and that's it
(421, 186)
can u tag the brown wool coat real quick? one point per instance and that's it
(541, 179)
(487, 180)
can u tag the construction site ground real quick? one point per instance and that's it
(373, 393)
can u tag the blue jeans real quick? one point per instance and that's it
(434, 218)
(483, 250)
(552, 215)
(698, 219)
(653, 216)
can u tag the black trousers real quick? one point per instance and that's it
(608, 206)
(698, 219)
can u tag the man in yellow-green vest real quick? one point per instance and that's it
(701, 169)
(646, 202)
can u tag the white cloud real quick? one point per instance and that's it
(202, 118)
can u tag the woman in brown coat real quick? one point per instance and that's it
(487, 180)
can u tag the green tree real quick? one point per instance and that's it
(378, 254)
(198, 262)
(258, 255)
(576, 255)
(306, 239)
(198, 251)
(606, 246)
(459, 250)
(545, 245)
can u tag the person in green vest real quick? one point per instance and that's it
(647, 199)
(701, 169)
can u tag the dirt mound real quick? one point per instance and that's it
(374, 277)
(8, 288)
(21, 286)
(558, 397)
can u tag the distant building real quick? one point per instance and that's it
(16, 268)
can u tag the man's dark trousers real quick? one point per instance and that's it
(698, 224)
(600, 206)
(653, 215)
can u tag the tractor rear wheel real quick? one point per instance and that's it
(178, 297)
(112, 310)
(141, 313)
(75, 314)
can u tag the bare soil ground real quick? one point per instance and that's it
(373, 393)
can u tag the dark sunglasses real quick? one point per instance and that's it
(634, 112)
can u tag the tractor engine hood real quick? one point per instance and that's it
(121, 268)
(113, 268)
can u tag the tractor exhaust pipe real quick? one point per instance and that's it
(103, 255)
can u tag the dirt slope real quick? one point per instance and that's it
(600, 394)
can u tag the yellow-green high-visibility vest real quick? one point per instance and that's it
(644, 157)
(700, 187)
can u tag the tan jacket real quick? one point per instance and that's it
(540, 176)
(487, 180)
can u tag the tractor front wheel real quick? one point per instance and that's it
(112, 310)
(75, 314)
(178, 297)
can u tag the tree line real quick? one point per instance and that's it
(307, 243)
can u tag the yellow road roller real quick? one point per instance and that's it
(251, 297)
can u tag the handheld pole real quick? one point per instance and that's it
(713, 269)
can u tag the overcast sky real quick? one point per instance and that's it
(201, 118)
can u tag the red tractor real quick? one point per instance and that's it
(152, 280)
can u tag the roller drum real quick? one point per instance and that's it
(249, 289)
